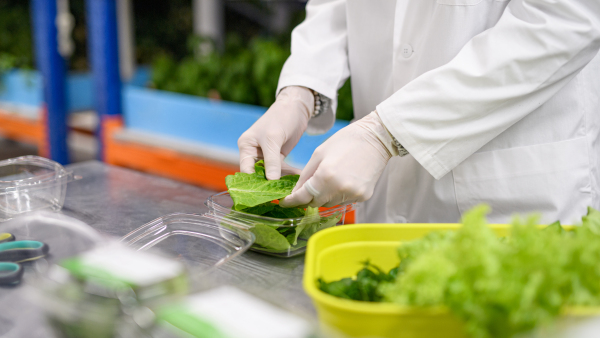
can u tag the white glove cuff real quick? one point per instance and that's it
(376, 126)
(300, 94)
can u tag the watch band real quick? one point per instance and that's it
(322, 103)
(389, 141)
(401, 150)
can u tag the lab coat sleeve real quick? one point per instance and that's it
(498, 77)
(319, 58)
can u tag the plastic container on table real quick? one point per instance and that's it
(86, 301)
(340, 252)
(31, 183)
(267, 230)
(199, 241)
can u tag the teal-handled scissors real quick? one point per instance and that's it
(22, 251)
(14, 252)
(10, 273)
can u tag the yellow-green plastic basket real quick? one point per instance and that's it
(337, 252)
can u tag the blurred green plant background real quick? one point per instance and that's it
(245, 71)
(16, 49)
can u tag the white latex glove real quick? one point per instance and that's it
(345, 168)
(277, 132)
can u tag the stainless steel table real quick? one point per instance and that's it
(116, 201)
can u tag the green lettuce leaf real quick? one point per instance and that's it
(249, 190)
(259, 169)
(261, 209)
(365, 286)
(279, 212)
(311, 217)
(253, 194)
(301, 244)
(591, 221)
(324, 223)
(269, 237)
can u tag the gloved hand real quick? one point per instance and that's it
(345, 168)
(277, 132)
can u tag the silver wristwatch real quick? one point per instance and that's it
(401, 150)
(322, 103)
(390, 142)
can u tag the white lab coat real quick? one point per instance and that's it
(497, 102)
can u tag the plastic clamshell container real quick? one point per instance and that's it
(337, 253)
(31, 183)
(199, 241)
(220, 205)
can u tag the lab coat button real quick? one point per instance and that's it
(406, 50)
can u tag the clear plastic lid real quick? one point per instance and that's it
(31, 183)
(201, 242)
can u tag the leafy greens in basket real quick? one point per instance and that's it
(364, 287)
(499, 286)
(253, 194)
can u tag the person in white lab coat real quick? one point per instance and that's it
(457, 102)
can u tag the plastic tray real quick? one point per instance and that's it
(199, 241)
(31, 183)
(220, 205)
(339, 252)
